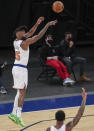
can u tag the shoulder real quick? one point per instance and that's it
(63, 128)
(17, 42)
(62, 42)
(48, 129)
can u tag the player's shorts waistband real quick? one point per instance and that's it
(20, 65)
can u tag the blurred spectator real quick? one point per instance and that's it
(50, 55)
(2, 89)
(69, 53)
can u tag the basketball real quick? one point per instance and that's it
(58, 6)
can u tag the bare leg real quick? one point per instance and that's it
(21, 97)
(22, 93)
(16, 103)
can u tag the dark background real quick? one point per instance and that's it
(78, 17)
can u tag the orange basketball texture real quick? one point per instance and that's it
(58, 6)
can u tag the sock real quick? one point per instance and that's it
(16, 103)
(19, 110)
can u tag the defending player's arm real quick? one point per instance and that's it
(29, 41)
(34, 28)
(48, 129)
(75, 121)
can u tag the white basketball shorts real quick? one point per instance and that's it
(20, 77)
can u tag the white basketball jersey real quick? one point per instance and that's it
(21, 56)
(63, 128)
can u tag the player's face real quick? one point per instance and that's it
(20, 34)
(50, 38)
(68, 36)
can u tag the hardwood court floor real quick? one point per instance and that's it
(86, 123)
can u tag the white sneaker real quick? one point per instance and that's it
(3, 90)
(68, 81)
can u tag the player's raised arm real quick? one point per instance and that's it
(75, 121)
(34, 28)
(25, 44)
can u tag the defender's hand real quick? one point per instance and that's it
(84, 94)
(40, 20)
(53, 23)
(71, 44)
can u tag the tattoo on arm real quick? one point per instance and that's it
(75, 121)
(39, 36)
(31, 31)
(43, 31)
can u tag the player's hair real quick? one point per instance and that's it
(20, 28)
(60, 115)
(66, 33)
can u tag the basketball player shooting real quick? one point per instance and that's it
(60, 117)
(19, 70)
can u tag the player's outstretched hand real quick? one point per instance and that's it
(40, 20)
(53, 22)
(84, 94)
